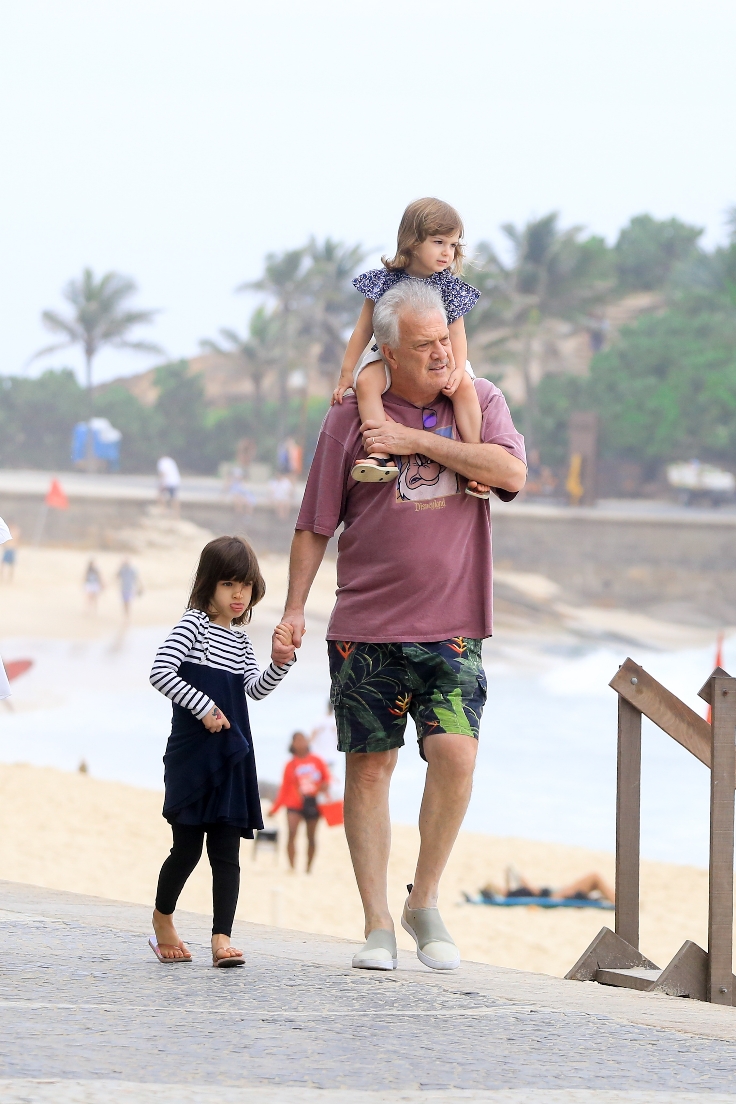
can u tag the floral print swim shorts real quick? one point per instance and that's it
(441, 685)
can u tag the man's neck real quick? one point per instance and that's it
(417, 396)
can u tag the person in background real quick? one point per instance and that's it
(7, 562)
(130, 586)
(243, 499)
(290, 459)
(591, 886)
(169, 482)
(5, 536)
(281, 491)
(305, 776)
(93, 585)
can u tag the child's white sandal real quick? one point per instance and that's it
(382, 470)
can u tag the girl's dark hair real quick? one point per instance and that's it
(226, 559)
(293, 738)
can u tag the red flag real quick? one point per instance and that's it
(56, 497)
(16, 667)
(719, 663)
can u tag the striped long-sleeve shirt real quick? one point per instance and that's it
(197, 640)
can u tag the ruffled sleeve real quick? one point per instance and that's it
(458, 297)
(375, 283)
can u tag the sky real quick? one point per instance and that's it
(179, 141)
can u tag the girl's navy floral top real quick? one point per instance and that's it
(457, 296)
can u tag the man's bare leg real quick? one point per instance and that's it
(450, 764)
(368, 830)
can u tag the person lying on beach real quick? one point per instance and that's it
(589, 887)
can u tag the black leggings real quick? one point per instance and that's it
(223, 848)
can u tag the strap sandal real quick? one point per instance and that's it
(153, 944)
(435, 946)
(382, 470)
(227, 960)
(478, 494)
(378, 952)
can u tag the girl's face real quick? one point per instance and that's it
(230, 600)
(434, 255)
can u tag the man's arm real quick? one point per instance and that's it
(484, 463)
(307, 553)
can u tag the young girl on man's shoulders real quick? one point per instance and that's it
(429, 248)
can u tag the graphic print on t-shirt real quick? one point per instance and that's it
(421, 479)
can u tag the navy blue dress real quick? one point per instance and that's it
(210, 777)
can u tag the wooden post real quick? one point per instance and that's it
(628, 805)
(720, 892)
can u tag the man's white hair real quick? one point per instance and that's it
(408, 296)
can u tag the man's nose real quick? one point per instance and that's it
(438, 351)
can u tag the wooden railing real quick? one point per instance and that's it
(615, 959)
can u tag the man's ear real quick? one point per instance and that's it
(388, 355)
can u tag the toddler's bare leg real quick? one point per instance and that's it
(368, 390)
(468, 418)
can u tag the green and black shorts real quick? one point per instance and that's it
(441, 685)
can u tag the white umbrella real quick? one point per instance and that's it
(5, 534)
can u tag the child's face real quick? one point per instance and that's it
(435, 254)
(230, 600)
(300, 744)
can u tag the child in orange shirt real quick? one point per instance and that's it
(305, 776)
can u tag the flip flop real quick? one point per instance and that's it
(382, 471)
(229, 960)
(478, 494)
(167, 961)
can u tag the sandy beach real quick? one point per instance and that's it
(70, 831)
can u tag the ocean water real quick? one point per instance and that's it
(547, 759)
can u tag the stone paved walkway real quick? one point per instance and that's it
(88, 1015)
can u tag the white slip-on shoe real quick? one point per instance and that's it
(378, 952)
(435, 947)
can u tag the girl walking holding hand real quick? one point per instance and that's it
(206, 667)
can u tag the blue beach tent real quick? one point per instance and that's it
(105, 442)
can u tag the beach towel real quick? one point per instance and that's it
(540, 902)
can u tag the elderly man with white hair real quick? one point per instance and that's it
(413, 605)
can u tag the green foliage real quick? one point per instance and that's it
(100, 317)
(557, 397)
(666, 390)
(36, 419)
(648, 252)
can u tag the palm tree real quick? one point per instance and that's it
(333, 304)
(99, 319)
(283, 282)
(553, 276)
(257, 353)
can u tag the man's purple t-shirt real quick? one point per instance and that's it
(414, 557)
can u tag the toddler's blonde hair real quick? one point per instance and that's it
(420, 220)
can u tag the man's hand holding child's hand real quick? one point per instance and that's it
(282, 645)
